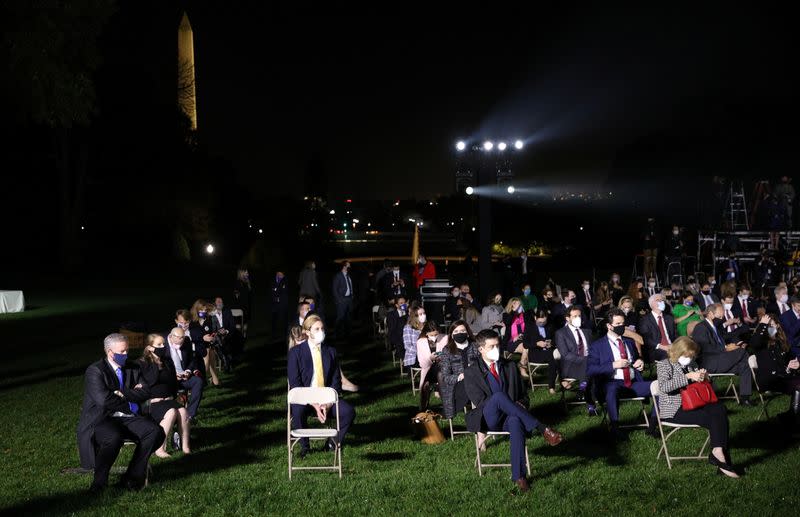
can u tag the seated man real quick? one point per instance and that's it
(109, 416)
(224, 326)
(718, 357)
(657, 330)
(790, 321)
(744, 307)
(500, 401)
(189, 367)
(395, 321)
(733, 327)
(616, 367)
(572, 343)
(312, 363)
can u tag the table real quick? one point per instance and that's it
(12, 301)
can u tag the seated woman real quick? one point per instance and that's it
(540, 347)
(516, 323)
(677, 371)
(492, 313)
(469, 313)
(429, 344)
(631, 321)
(685, 313)
(159, 377)
(458, 353)
(411, 331)
(777, 367)
(602, 300)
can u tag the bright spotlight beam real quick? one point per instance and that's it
(210, 249)
(460, 145)
(510, 189)
(501, 146)
(488, 145)
(518, 145)
(470, 191)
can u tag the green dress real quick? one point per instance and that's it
(529, 303)
(680, 310)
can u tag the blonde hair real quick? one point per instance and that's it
(309, 322)
(296, 336)
(196, 306)
(413, 317)
(625, 299)
(684, 345)
(510, 301)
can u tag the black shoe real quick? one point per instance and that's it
(303, 452)
(748, 403)
(580, 396)
(720, 464)
(330, 446)
(96, 489)
(176, 441)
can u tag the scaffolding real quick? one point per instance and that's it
(714, 247)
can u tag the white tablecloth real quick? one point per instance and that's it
(12, 301)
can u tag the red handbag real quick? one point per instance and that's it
(697, 395)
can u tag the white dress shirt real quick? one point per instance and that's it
(612, 341)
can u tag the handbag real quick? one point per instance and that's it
(426, 427)
(697, 395)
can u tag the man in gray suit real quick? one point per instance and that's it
(572, 343)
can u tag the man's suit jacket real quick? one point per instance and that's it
(478, 390)
(567, 346)
(558, 315)
(190, 354)
(340, 287)
(394, 327)
(710, 348)
(791, 326)
(701, 302)
(99, 401)
(300, 366)
(601, 358)
(228, 322)
(751, 304)
(648, 329)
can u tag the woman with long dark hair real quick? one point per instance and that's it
(777, 365)
(457, 355)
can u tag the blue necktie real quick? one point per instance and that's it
(716, 334)
(133, 405)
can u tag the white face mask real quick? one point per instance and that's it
(493, 354)
(576, 322)
(783, 298)
(744, 296)
(661, 306)
(772, 331)
(317, 337)
(652, 284)
(684, 361)
(423, 318)
(462, 346)
(728, 306)
(626, 310)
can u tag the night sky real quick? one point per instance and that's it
(379, 100)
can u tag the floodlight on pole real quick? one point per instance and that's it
(518, 145)
(510, 189)
(488, 145)
(460, 145)
(469, 191)
(501, 146)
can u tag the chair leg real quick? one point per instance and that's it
(478, 456)
(289, 448)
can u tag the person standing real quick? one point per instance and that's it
(343, 297)
(424, 270)
(307, 282)
(279, 306)
(650, 245)
(243, 296)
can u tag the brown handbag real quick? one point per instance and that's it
(426, 427)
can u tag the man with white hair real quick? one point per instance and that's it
(657, 330)
(109, 416)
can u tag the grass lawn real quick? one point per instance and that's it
(239, 460)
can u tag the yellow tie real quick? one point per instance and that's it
(316, 356)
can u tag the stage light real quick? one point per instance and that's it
(460, 146)
(581, 228)
(332, 212)
(410, 220)
(473, 228)
(510, 189)
(470, 191)
(518, 144)
(488, 145)
(83, 227)
(356, 221)
(501, 146)
(210, 249)
(260, 230)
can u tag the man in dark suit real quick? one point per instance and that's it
(790, 321)
(780, 303)
(707, 297)
(586, 300)
(745, 308)
(393, 284)
(452, 309)
(616, 367)
(717, 356)
(395, 321)
(109, 415)
(500, 401)
(189, 366)
(572, 343)
(312, 363)
(279, 305)
(343, 297)
(223, 324)
(657, 330)
(558, 315)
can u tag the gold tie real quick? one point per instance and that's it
(316, 356)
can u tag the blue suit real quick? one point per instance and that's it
(344, 303)
(791, 326)
(300, 368)
(600, 367)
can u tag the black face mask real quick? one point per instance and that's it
(718, 321)
(161, 353)
(706, 291)
(618, 330)
(460, 337)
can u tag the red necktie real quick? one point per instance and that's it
(580, 342)
(783, 308)
(744, 309)
(729, 316)
(493, 369)
(664, 340)
(626, 373)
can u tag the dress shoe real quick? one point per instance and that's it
(523, 485)
(747, 402)
(591, 409)
(580, 395)
(552, 437)
(329, 446)
(303, 452)
(349, 386)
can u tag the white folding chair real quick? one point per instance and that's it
(238, 319)
(627, 400)
(305, 396)
(533, 368)
(415, 373)
(481, 465)
(731, 385)
(753, 363)
(453, 432)
(674, 429)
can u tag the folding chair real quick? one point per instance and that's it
(123, 470)
(453, 432)
(306, 396)
(238, 318)
(415, 373)
(731, 386)
(753, 362)
(533, 368)
(377, 323)
(675, 428)
(625, 400)
(479, 463)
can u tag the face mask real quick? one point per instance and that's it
(684, 361)
(520, 309)
(311, 306)
(460, 338)
(688, 303)
(161, 353)
(718, 321)
(772, 331)
(201, 314)
(626, 310)
(585, 287)
(713, 283)
(456, 293)
(618, 330)
(783, 298)
(526, 292)
(423, 318)
(183, 326)
(661, 306)
(652, 284)
(421, 262)
(728, 306)
(319, 337)
(615, 279)
(576, 322)
(493, 354)
(120, 359)
(744, 296)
